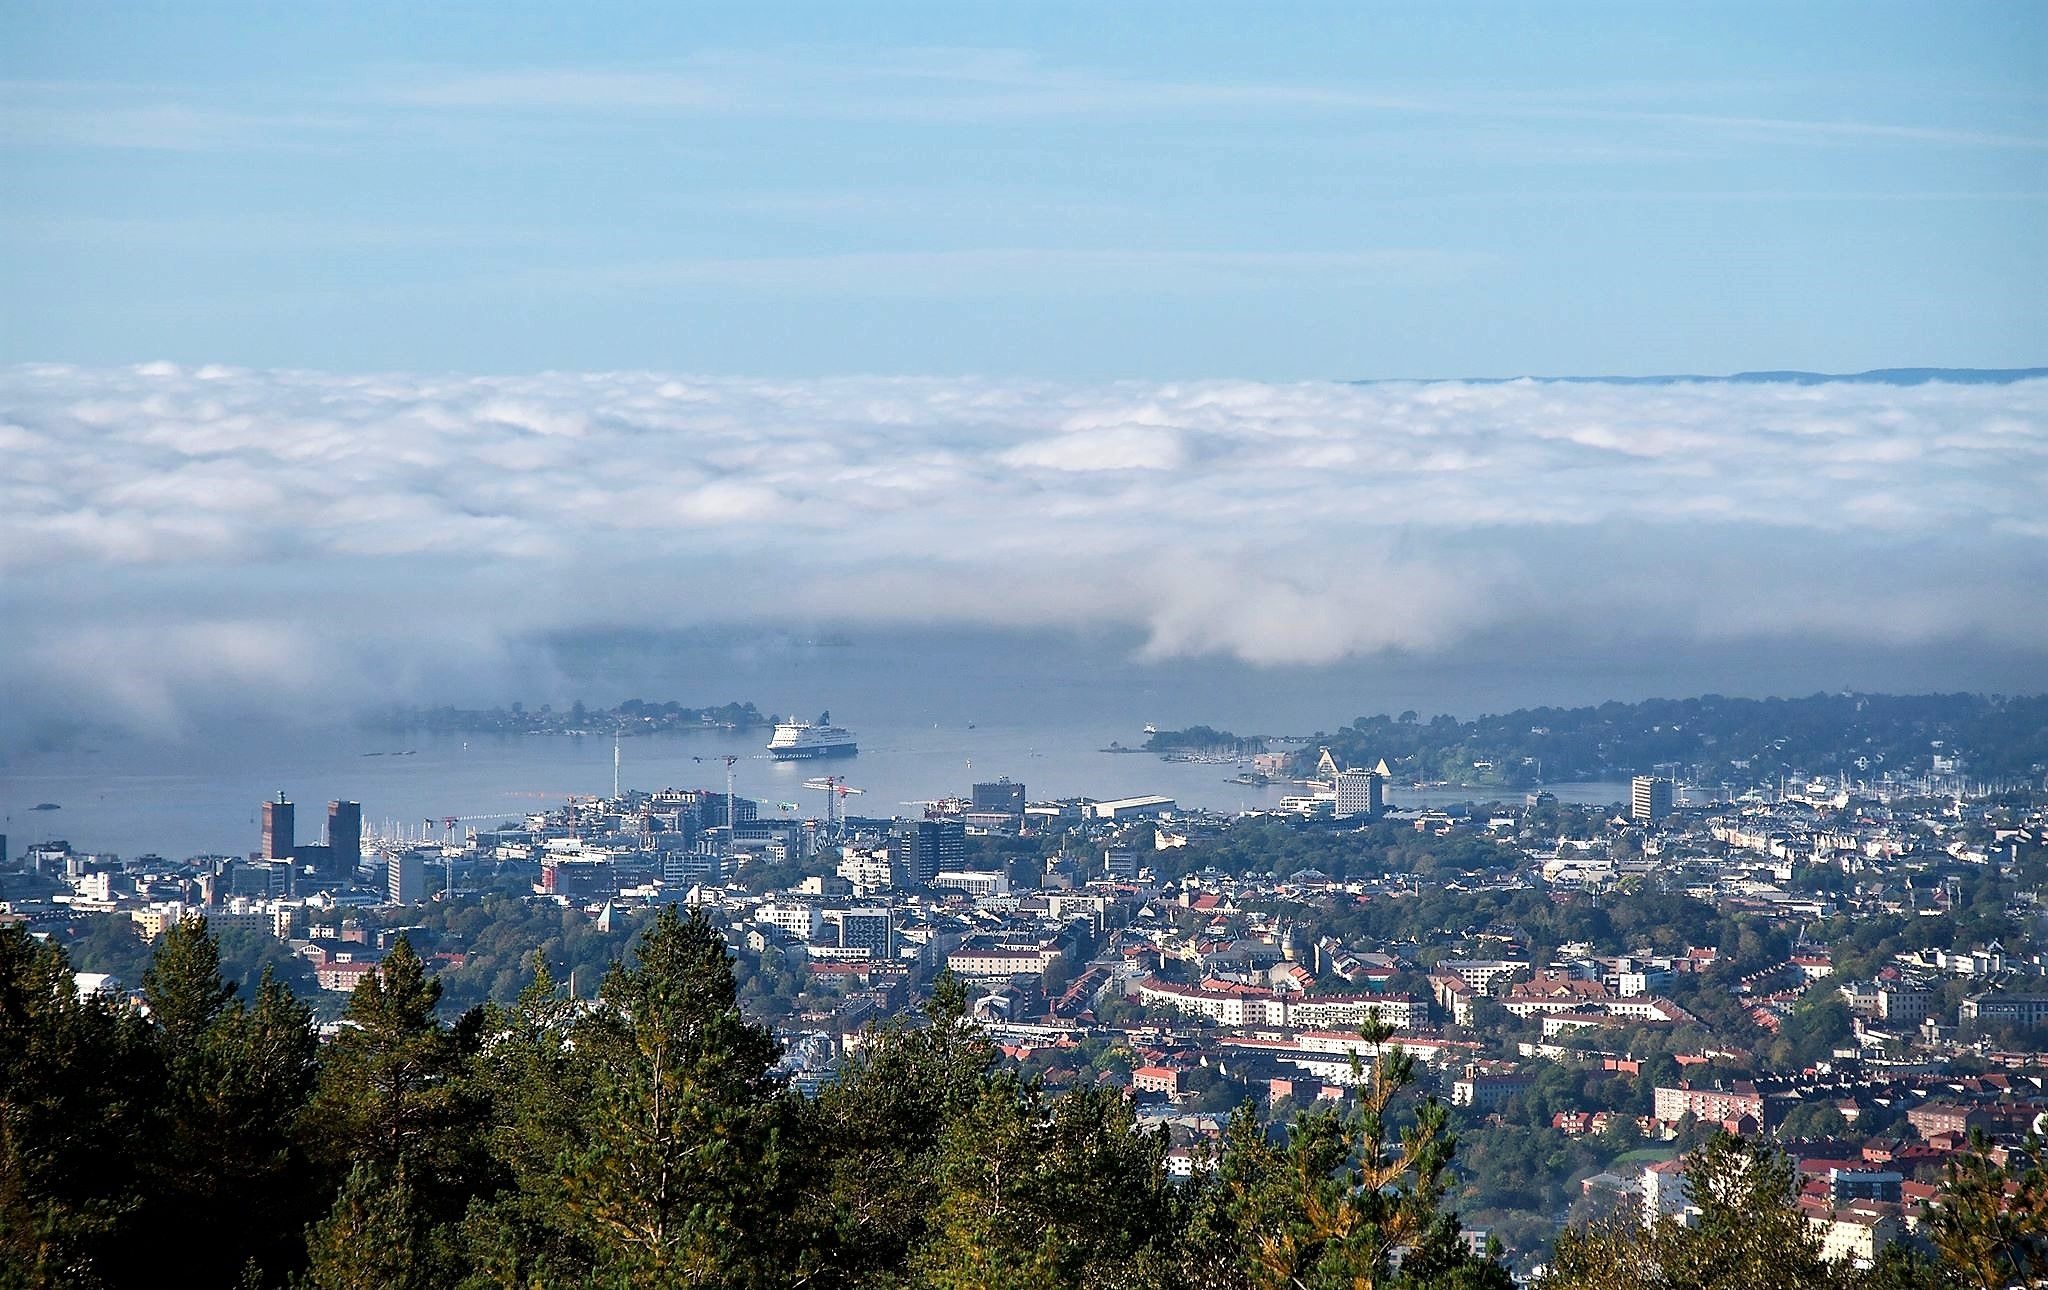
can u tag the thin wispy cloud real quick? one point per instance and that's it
(940, 87)
(95, 117)
(1031, 270)
(559, 89)
(1814, 131)
(295, 532)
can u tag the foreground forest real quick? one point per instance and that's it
(640, 1140)
(643, 1140)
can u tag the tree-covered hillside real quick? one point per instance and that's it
(1713, 738)
(643, 1139)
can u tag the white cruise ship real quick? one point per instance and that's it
(795, 740)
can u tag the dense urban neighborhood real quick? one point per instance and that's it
(1848, 966)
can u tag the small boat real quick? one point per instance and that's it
(46, 806)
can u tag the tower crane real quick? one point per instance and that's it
(836, 791)
(731, 825)
(448, 822)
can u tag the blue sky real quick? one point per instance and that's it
(1038, 191)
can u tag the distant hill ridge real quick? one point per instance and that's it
(1876, 376)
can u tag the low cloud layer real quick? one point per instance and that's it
(173, 538)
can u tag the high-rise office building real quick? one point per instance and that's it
(405, 878)
(870, 929)
(1649, 798)
(920, 849)
(1000, 796)
(1360, 792)
(345, 836)
(279, 836)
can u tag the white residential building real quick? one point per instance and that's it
(793, 918)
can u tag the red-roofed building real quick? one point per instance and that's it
(1164, 1080)
(1733, 1108)
(1553, 991)
(1813, 967)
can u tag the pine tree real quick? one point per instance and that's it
(518, 1236)
(373, 1239)
(77, 1095)
(682, 1176)
(183, 987)
(1991, 1225)
(226, 1182)
(983, 1231)
(395, 1088)
(1347, 1202)
(264, 1061)
(1054, 1192)
(1749, 1233)
(875, 1133)
(78, 1098)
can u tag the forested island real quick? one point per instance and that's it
(632, 717)
(1204, 739)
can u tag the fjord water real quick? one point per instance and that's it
(934, 714)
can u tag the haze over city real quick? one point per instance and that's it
(184, 537)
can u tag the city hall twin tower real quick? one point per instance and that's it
(337, 857)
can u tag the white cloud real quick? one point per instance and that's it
(461, 105)
(170, 535)
(1129, 447)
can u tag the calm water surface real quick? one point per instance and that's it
(933, 715)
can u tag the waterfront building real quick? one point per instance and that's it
(1127, 808)
(1000, 797)
(1360, 792)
